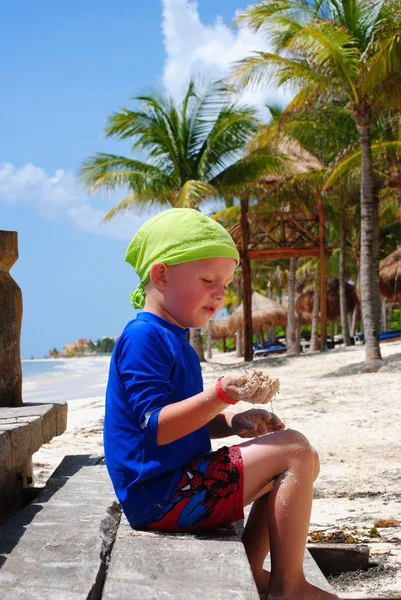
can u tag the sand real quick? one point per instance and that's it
(352, 419)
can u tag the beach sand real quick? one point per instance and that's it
(352, 419)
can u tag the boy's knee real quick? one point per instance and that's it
(299, 447)
(317, 464)
(295, 438)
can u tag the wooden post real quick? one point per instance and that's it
(246, 282)
(10, 323)
(323, 274)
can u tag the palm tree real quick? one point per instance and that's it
(193, 152)
(328, 132)
(337, 50)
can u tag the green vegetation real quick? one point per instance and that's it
(342, 58)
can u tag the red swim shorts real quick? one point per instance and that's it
(210, 493)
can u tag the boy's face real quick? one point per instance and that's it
(195, 290)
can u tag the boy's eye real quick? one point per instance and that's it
(206, 280)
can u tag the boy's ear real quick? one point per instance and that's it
(158, 275)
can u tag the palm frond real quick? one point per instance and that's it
(267, 68)
(352, 160)
(232, 129)
(133, 201)
(248, 169)
(110, 171)
(193, 193)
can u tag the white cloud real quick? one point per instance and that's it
(59, 196)
(194, 48)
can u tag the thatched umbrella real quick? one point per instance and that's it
(304, 302)
(390, 276)
(221, 328)
(265, 313)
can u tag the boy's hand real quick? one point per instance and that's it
(255, 422)
(251, 386)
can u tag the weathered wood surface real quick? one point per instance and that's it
(154, 566)
(23, 430)
(30, 426)
(339, 558)
(362, 596)
(10, 323)
(58, 547)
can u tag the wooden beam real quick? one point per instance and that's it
(10, 323)
(339, 558)
(246, 282)
(307, 233)
(289, 252)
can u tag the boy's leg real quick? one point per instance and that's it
(256, 540)
(279, 470)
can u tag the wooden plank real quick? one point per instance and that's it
(58, 546)
(154, 566)
(339, 558)
(362, 596)
(288, 252)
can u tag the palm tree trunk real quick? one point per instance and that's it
(384, 315)
(369, 217)
(209, 340)
(195, 339)
(398, 192)
(354, 321)
(343, 281)
(238, 339)
(292, 346)
(314, 342)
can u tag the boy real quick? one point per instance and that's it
(159, 421)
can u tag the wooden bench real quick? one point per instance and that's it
(71, 543)
(23, 430)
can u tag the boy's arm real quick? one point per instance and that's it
(181, 418)
(220, 426)
(177, 420)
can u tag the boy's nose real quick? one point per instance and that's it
(219, 292)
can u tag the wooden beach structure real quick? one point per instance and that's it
(266, 313)
(285, 234)
(390, 276)
(221, 330)
(24, 427)
(390, 281)
(304, 302)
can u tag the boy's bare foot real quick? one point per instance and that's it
(305, 591)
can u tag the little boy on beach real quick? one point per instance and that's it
(159, 420)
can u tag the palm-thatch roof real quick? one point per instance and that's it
(301, 160)
(304, 302)
(390, 276)
(221, 328)
(265, 313)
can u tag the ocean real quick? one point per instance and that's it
(64, 379)
(31, 368)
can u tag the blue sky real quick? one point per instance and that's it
(65, 67)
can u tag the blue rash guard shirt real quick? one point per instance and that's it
(152, 365)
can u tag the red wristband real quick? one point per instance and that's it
(221, 394)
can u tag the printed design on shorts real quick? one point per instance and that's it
(206, 481)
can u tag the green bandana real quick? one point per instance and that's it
(176, 236)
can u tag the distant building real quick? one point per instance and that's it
(82, 344)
